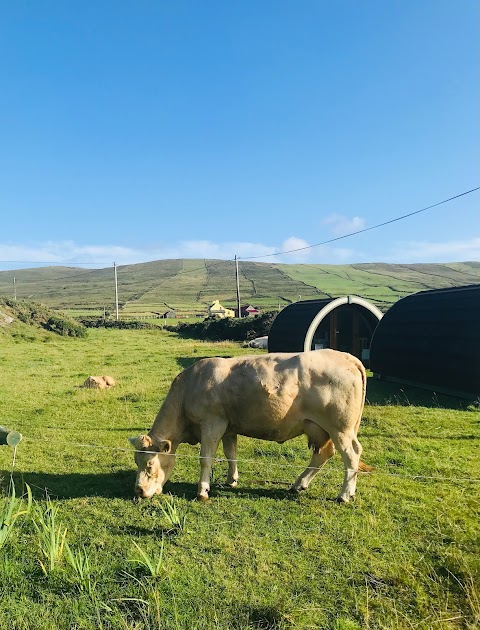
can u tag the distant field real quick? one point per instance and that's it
(189, 286)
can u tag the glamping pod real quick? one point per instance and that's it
(432, 339)
(345, 323)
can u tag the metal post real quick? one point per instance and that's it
(238, 287)
(116, 291)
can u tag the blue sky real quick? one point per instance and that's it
(134, 131)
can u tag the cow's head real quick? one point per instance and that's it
(155, 462)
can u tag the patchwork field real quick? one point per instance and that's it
(190, 286)
(404, 555)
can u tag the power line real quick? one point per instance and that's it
(373, 227)
(256, 462)
(290, 251)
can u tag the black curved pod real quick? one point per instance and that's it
(345, 323)
(432, 339)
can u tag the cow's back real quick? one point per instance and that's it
(269, 396)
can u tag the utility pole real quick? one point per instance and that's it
(14, 289)
(116, 291)
(238, 287)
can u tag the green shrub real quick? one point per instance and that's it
(232, 329)
(100, 322)
(65, 327)
(35, 314)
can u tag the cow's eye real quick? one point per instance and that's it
(149, 464)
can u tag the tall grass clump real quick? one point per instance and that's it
(81, 570)
(152, 605)
(51, 534)
(11, 510)
(175, 516)
(152, 564)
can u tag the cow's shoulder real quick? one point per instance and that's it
(208, 370)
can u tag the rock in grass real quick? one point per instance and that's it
(99, 382)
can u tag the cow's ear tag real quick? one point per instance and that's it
(165, 446)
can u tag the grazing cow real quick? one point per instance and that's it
(273, 397)
(99, 382)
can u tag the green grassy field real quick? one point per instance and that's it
(189, 286)
(404, 555)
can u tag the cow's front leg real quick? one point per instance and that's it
(230, 450)
(211, 435)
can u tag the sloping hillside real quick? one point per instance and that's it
(17, 317)
(190, 285)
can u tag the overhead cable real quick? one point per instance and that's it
(373, 227)
(290, 251)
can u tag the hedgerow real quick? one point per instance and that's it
(231, 329)
(96, 322)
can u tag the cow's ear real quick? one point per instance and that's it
(165, 446)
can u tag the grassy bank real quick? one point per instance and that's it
(404, 554)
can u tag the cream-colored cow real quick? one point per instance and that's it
(273, 397)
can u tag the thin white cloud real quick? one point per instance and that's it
(69, 253)
(341, 225)
(424, 251)
(299, 248)
(64, 253)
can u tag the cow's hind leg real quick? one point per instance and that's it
(230, 450)
(323, 449)
(350, 449)
(211, 434)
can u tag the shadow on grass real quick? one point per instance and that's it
(257, 492)
(120, 484)
(380, 392)
(75, 485)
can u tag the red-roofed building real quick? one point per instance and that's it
(247, 311)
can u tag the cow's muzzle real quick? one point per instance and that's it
(141, 493)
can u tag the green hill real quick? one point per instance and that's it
(189, 286)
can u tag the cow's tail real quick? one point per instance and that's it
(365, 468)
(363, 374)
(362, 466)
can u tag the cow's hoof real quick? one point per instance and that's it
(341, 500)
(202, 498)
(296, 490)
(232, 484)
